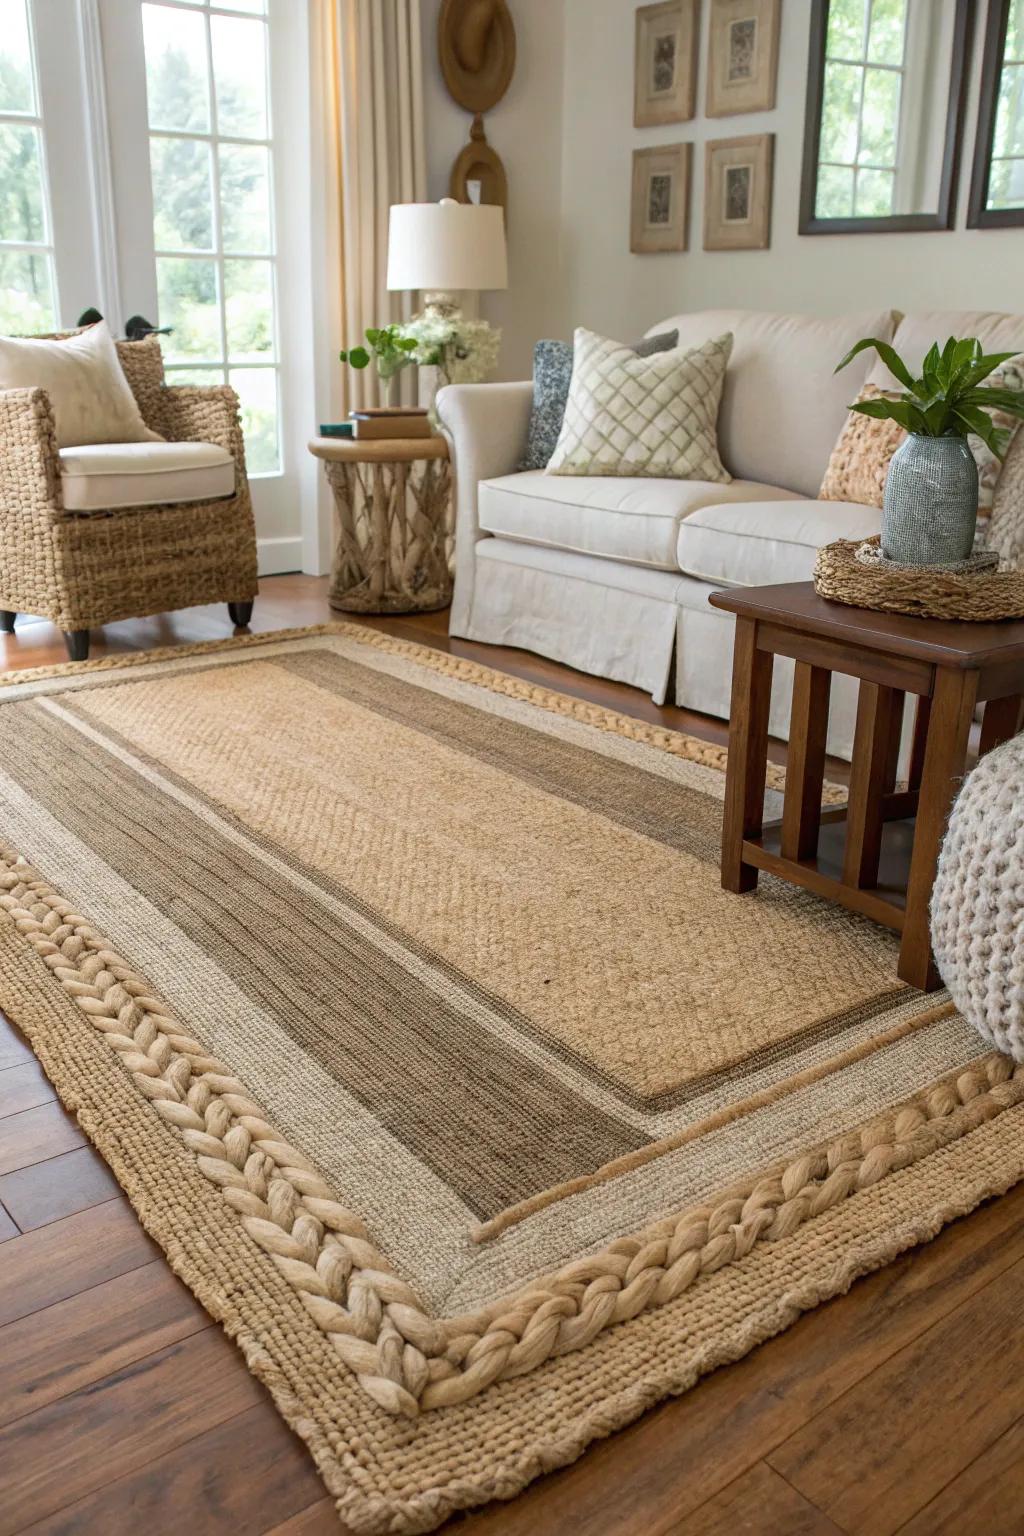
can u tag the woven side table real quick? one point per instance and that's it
(393, 500)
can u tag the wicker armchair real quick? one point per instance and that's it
(86, 569)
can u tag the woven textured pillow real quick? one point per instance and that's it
(1006, 528)
(90, 397)
(552, 371)
(860, 459)
(645, 416)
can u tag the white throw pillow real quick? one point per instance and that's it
(91, 398)
(647, 416)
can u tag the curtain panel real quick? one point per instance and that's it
(367, 99)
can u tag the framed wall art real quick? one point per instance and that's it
(743, 56)
(661, 198)
(738, 193)
(665, 87)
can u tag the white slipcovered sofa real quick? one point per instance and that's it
(612, 576)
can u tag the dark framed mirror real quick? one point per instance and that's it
(997, 185)
(886, 85)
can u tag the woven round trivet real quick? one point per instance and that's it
(924, 591)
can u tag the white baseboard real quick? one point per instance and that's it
(275, 556)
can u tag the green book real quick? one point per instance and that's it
(336, 429)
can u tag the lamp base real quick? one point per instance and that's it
(441, 306)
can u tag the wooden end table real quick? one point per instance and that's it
(877, 854)
(394, 505)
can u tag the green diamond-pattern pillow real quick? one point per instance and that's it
(645, 416)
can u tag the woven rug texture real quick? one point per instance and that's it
(403, 1000)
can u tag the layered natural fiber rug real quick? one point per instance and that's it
(404, 1001)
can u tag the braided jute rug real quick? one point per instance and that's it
(403, 1000)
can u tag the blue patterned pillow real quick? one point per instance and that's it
(552, 371)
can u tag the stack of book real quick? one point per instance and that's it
(391, 421)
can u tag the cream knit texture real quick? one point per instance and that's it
(978, 900)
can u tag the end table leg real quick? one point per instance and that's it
(805, 761)
(877, 709)
(1000, 722)
(945, 758)
(748, 755)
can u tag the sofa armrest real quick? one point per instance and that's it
(486, 426)
(199, 413)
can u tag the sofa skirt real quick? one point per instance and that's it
(600, 616)
(631, 624)
(704, 643)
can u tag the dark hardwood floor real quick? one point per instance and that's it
(898, 1408)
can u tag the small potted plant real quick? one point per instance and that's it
(390, 350)
(930, 505)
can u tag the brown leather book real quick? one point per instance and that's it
(395, 427)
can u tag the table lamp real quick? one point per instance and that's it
(445, 248)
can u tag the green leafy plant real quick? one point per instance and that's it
(389, 349)
(949, 399)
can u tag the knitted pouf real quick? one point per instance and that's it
(978, 900)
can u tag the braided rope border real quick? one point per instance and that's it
(406, 1360)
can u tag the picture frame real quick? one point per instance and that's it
(743, 56)
(665, 63)
(738, 192)
(660, 205)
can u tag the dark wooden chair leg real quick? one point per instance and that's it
(805, 761)
(77, 642)
(240, 613)
(7, 619)
(945, 759)
(1000, 722)
(876, 708)
(748, 755)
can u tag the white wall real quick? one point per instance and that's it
(818, 274)
(569, 223)
(526, 130)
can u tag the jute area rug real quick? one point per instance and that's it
(403, 1000)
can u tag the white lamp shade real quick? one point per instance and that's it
(447, 246)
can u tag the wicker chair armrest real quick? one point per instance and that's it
(196, 413)
(29, 466)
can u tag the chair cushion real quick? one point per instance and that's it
(98, 477)
(90, 397)
(758, 542)
(618, 518)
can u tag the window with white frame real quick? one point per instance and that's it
(865, 61)
(210, 159)
(28, 299)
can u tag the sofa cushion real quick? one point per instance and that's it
(620, 519)
(757, 542)
(98, 477)
(915, 333)
(783, 406)
(552, 374)
(652, 416)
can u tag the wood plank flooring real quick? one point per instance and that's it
(896, 1410)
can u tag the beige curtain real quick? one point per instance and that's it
(368, 107)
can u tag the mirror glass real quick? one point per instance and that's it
(883, 96)
(1005, 188)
